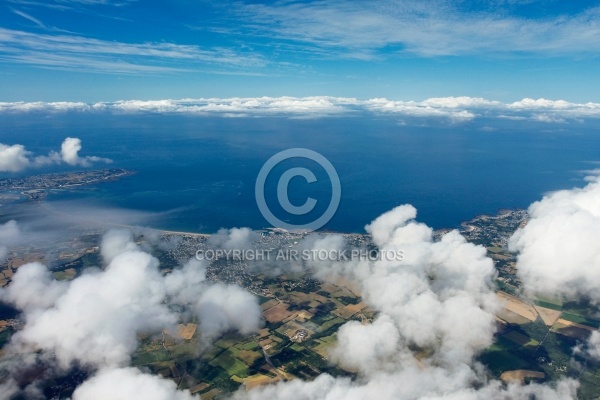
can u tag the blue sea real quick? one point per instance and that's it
(198, 173)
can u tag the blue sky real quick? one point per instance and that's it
(105, 50)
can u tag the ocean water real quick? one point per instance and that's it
(198, 173)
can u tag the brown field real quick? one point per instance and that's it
(343, 292)
(259, 380)
(518, 306)
(575, 324)
(263, 332)
(269, 304)
(348, 284)
(186, 331)
(211, 394)
(572, 329)
(198, 388)
(329, 287)
(319, 298)
(17, 262)
(356, 307)
(277, 313)
(548, 315)
(299, 297)
(248, 356)
(511, 317)
(291, 317)
(519, 375)
(304, 315)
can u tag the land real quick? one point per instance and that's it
(36, 187)
(301, 315)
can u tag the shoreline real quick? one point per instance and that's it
(168, 232)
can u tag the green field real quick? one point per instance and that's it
(332, 322)
(499, 360)
(249, 345)
(521, 339)
(231, 364)
(548, 304)
(580, 319)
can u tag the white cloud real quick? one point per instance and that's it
(225, 307)
(69, 152)
(33, 288)
(16, 158)
(13, 158)
(238, 106)
(97, 317)
(73, 52)
(439, 299)
(10, 234)
(440, 28)
(453, 109)
(95, 320)
(558, 248)
(115, 242)
(234, 238)
(130, 384)
(591, 347)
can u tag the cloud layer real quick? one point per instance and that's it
(454, 109)
(435, 28)
(94, 320)
(325, 29)
(74, 52)
(434, 314)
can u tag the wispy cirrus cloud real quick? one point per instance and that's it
(67, 51)
(29, 18)
(71, 4)
(452, 109)
(366, 30)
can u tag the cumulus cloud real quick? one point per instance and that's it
(13, 158)
(107, 308)
(435, 312)
(224, 307)
(33, 288)
(69, 152)
(129, 383)
(453, 109)
(234, 238)
(115, 242)
(558, 252)
(16, 158)
(94, 320)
